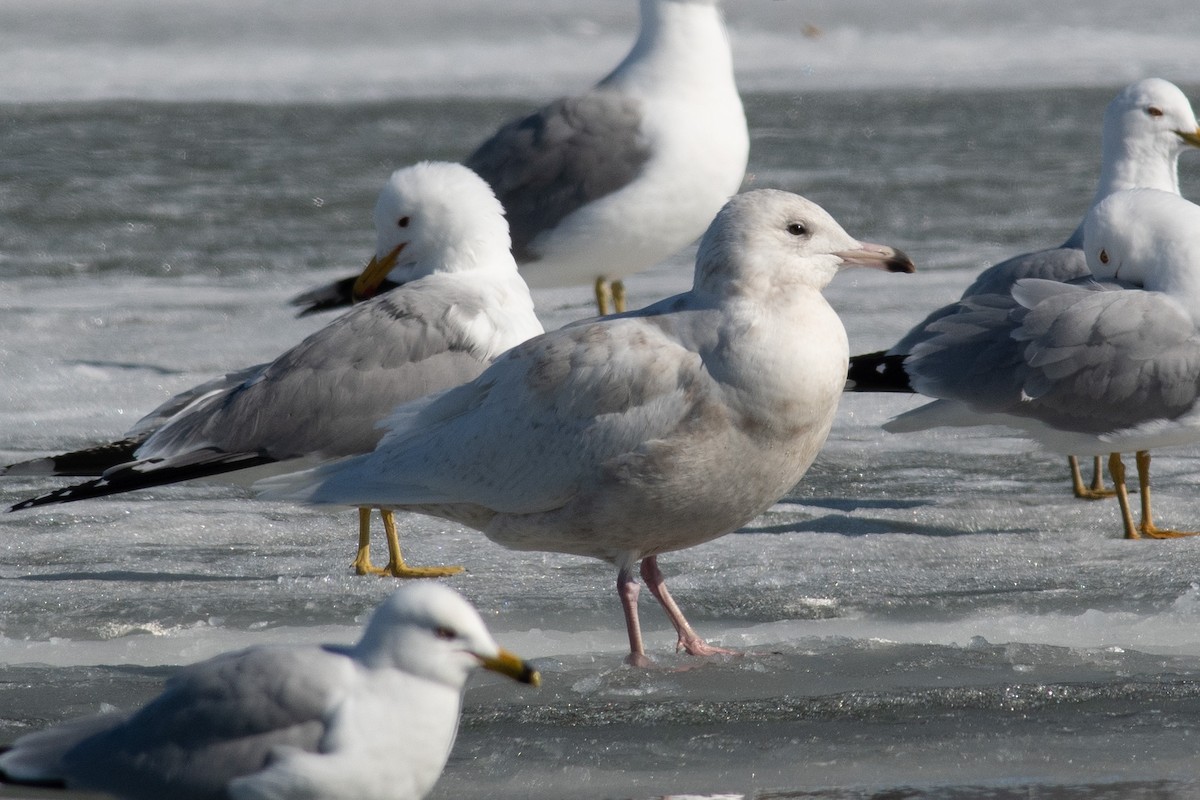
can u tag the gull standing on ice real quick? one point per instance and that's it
(274, 722)
(1094, 366)
(625, 437)
(1146, 128)
(461, 304)
(613, 181)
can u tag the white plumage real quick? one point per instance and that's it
(372, 721)
(629, 436)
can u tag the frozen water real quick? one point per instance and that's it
(928, 614)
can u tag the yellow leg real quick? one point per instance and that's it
(618, 293)
(362, 562)
(396, 566)
(1097, 490)
(1117, 471)
(604, 295)
(1148, 528)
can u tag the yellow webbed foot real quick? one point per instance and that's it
(404, 571)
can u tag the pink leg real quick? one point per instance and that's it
(628, 590)
(688, 640)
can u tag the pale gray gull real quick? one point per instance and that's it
(625, 437)
(1095, 366)
(374, 720)
(462, 303)
(1146, 127)
(607, 183)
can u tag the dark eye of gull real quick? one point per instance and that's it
(443, 632)
(402, 222)
(1154, 111)
(1103, 256)
(797, 229)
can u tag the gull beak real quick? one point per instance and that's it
(877, 256)
(509, 664)
(1191, 137)
(372, 277)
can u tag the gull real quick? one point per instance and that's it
(372, 720)
(624, 437)
(1101, 365)
(461, 304)
(1146, 128)
(610, 182)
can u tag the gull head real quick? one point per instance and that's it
(1146, 237)
(435, 217)
(767, 240)
(1146, 126)
(431, 631)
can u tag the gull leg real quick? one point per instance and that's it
(1148, 528)
(362, 562)
(604, 295)
(1097, 490)
(618, 293)
(688, 639)
(396, 566)
(1117, 470)
(628, 590)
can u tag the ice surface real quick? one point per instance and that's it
(924, 615)
(377, 49)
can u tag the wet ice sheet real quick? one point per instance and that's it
(928, 611)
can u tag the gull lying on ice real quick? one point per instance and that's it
(373, 720)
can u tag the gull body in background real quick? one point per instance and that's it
(613, 181)
(1095, 366)
(276, 722)
(1146, 128)
(625, 437)
(462, 302)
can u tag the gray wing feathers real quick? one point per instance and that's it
(38, 757)
(1058, 264)
(214, 721)
(324, 396)
(1084, 358)
(547, 165)
(576, 408)
(156, 418)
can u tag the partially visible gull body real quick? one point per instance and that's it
(461, 303)
(610, 182)
(1146, 128)
(276, 722)
(625, 437)
(1096, 366)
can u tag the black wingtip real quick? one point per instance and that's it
(878, 372)
(144, 475)
(89, 462)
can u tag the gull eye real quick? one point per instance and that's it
(1103, 256)
(797, 229)
(402, 222)
(1154, 111)
(442, 632)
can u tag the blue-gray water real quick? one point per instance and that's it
(928, 614)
